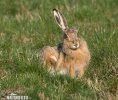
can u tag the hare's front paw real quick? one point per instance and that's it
(80, 73)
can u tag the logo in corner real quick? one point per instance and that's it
(13, 96)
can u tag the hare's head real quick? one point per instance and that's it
(71, 40)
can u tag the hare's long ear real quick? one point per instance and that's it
(60, 19)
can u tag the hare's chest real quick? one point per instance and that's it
(79, 64)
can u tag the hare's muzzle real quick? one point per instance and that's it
(75, 46)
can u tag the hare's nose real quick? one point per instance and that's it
(77, 45)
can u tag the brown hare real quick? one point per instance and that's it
(70, 57)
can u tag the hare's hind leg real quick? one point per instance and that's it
(49, 57)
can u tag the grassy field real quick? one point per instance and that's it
(26, 26)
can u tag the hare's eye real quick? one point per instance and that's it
(73, 42)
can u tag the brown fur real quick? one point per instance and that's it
(70, 57)
(74, 62)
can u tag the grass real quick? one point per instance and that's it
(28, 25)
